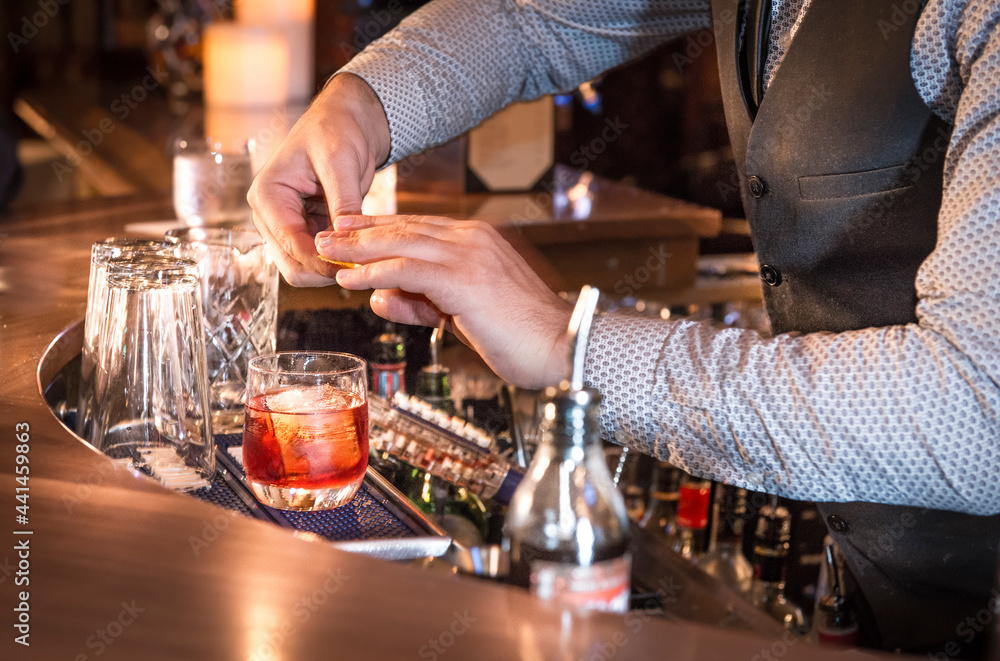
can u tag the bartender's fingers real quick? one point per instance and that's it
(278, 214)
(371, 245)
(434, 281)
(329, 155)
(414, 309)
(343, 175)
(427, 223)
(405, 308)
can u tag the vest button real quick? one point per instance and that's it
(757, 186)
(837, 524)
(770, 275)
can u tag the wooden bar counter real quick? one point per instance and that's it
(116, 567)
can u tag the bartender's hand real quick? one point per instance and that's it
(426, 268)
(322, 170)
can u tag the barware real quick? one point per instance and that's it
(210, 181)
(239, 294)
(305, 440)
(102, 255)
(150, 371)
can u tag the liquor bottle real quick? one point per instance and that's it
(771, 543)
(633, 481)
(388, 364)
(692, 517)
(661, 514)
(434, 387)
(434, 380)
(834, 620)
(724, 559)
(448, 504)
(566, 529)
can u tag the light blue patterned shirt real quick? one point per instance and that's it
(904, 414)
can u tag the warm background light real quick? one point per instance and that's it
(295, 18)
(245, 66)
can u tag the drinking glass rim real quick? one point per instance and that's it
(255, 363)
(116, 247)
(153, 272)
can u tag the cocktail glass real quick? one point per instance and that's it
(305, 436)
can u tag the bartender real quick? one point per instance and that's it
(867, 137)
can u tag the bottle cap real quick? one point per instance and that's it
(388, 349)
(434, 386)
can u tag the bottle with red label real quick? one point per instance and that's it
(692, 517)
(566, 528)
(388, 364)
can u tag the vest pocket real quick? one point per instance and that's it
(853, 184)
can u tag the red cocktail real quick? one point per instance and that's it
(305, 437)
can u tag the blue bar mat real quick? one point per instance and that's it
(366, 517)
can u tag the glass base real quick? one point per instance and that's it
(303, 500)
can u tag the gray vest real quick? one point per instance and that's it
(841, 164)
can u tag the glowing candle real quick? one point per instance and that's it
(295, 18)
(245, 66)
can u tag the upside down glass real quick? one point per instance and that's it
(150, 370)
(305, 438)
(104, 255)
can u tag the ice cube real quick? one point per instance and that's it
(320, 436)
(311, 399)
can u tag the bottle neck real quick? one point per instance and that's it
(570, 428)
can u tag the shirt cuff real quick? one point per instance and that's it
(401, 98)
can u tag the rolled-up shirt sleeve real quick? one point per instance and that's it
(453, 63)
(904, 414)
